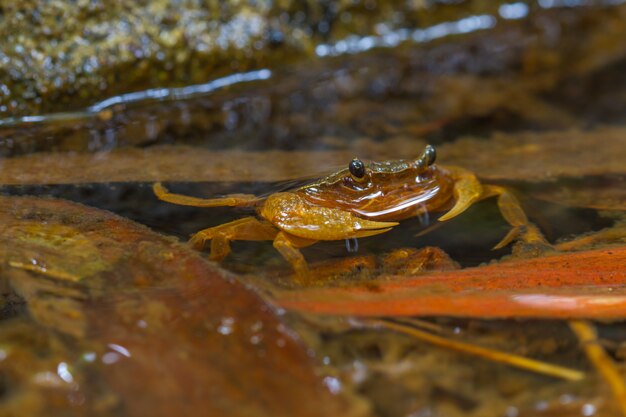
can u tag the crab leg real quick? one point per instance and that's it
(287, 245)
(248, 228)
(514, 215)
(468, 190)
(231, 200)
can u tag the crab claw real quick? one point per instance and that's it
(319, 223)
(459, 207)
(466, 192)
(362, 224)
(364, 228)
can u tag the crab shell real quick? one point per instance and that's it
(344, 205)
(389, 191)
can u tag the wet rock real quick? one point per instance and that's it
(69, 53)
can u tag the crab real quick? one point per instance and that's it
(362, 200)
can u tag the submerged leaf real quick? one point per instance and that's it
(590, 284)
(163, 331)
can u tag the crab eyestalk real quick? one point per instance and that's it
(427, 158)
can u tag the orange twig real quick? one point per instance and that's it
(588, 338)
(490, 354)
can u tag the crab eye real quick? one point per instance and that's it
(430, 155)
(357, 168)
(427, 158)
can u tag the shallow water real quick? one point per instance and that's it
(513, 102)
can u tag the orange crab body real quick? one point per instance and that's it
(359, 201)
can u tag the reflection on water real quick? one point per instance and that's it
(393, 38)
(152, 95)
(100, 316)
